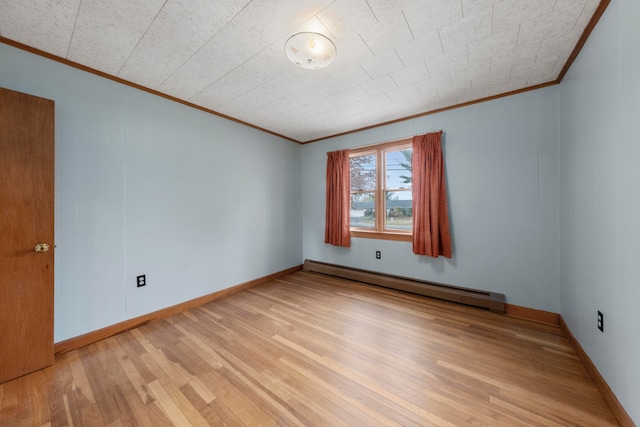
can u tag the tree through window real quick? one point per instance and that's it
(381, 197)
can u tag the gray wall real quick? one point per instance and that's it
(600, 199)
(502, 171)
(148, 186)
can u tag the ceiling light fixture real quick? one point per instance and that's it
(310, 50)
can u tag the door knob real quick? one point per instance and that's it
(41, 247)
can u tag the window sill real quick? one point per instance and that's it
(402, 237)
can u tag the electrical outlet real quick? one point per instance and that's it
(141, 280)
(600, 321)
(378, 255)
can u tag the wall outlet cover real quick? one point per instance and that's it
(141, 280)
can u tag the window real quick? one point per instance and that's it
(381, 191)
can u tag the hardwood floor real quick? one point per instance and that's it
(310, 350)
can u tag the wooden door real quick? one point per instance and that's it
(26, 220)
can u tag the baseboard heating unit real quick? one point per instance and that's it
(483, 299)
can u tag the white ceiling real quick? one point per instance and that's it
(396, 58)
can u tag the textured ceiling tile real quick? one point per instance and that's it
(431, 85)
(180, 29)
(489, 84)
(267, 87)
(387, 34)
(439, 104)
(45, 24)
(465, 97)
(395, 57)
(516, 81)
(478, 70)
(550, 26)
(540, 71)
(307, 117)
(378, 101)
(521, 74)
(321, 88)
(557, 69)
(400, 109)
(470, 7)
(383, 8)
(331, 121)
(299, 11)
(312, 25)
(379, 85)
(350, 51)
(541, 78)
(550, 54)
(307, 133)
(222, 91)
(243, 79)
(106, 33)
(267, 21)
(345, 18)
(452, 60)
(427, 16)
(239, 108)
(278, 63)
(467, 30)
(280, 106)
(522, 54)
(349, 96)
(342, 112)
(228, 50)
(351, 76)
(313, 108)
(502, 42)
(367, 118)
(406, 76)
(452, 93)
(382, 64)
(476, 62)
(587, 12)
(255, 98)
(426, 102)
(404, 93)
(420, 49)
(576, 4)
(509, 13)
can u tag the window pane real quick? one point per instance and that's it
(398, 168)
(362, 210)
(363, 172)
(399, 214)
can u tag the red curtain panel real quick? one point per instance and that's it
(431, 235)
(337, 230)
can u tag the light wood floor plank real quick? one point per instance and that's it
(313, 350)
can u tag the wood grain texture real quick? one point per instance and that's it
(100, 334)
(26, 219)
(532, 314)
(312, 350)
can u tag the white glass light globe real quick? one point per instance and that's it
(310, 50)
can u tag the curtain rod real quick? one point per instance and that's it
(409, 137)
